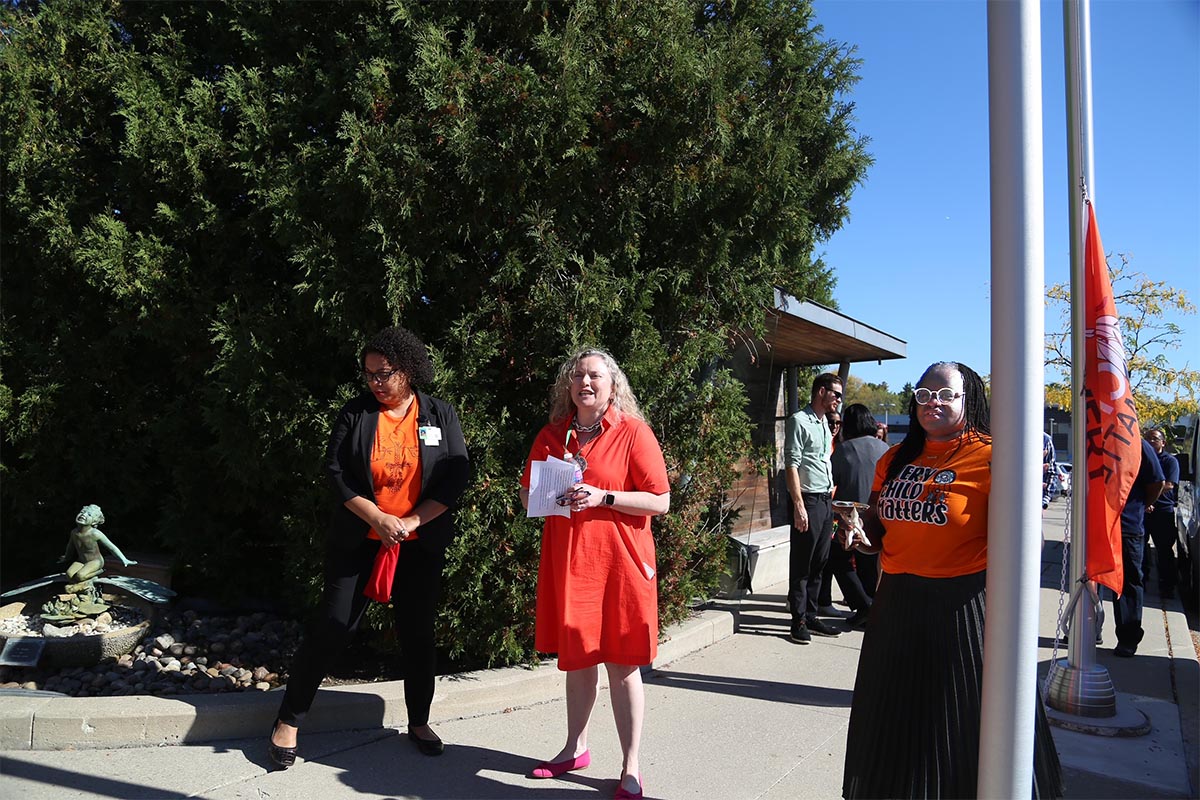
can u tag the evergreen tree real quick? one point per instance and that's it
(208, 207)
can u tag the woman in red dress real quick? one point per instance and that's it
(597, 599)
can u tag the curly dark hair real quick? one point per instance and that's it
(403, 351)
(857, 421)
(975, 413)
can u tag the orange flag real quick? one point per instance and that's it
(1114, 442)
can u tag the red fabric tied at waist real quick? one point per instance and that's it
(383, 574)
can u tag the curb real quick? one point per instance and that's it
(46, 721)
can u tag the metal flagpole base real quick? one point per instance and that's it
(1084, 692)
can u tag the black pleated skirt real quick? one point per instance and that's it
(914, 721)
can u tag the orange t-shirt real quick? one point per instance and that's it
(396, 465)
(935, 512)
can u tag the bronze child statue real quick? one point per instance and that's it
(84, 544)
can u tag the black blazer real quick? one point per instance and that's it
(444, 468)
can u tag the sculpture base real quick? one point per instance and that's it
(1083, 700)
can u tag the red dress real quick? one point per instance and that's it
(597, 596)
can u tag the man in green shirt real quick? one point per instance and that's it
(807, 447)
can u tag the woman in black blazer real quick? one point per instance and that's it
(397, 462)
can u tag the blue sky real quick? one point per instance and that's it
(914, 258)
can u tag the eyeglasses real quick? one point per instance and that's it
(923, 396)
(838, 395)
(381, 377)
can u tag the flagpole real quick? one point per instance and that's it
(1009, 695)
(1080, 685)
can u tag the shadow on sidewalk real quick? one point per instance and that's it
(82, 783)
(463, 771)
(770, 691)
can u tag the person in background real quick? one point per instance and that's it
(915, 713)
(1127, 609)
(841, 563)
(597, 591)
(808, 444)
(1160, 518)
(853, 473)
(397, 462)
(1049, 469)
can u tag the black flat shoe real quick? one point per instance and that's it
(281, 757)
(429, 747)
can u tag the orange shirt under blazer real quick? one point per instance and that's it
(597, 596)
(396, 465)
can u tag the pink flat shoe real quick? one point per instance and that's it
(548, 770)
(625, 794)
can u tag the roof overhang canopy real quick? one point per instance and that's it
(804, 333)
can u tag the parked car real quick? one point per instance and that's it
(1064, 477)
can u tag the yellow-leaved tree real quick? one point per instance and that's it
(1164, 385)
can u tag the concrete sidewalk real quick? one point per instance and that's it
(728, 715)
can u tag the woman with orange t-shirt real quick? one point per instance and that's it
(914, 719)
(397, 462)
(597, 598)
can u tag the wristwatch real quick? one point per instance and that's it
(610, 499)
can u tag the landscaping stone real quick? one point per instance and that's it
(182, 654)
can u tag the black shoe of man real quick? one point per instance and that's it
(1125, 650)
(800, 634)
(820, 628)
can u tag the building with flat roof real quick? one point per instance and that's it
(799, 334)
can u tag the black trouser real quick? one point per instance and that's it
(1160, 529)
(841, 566)
(809, 552)
(415, 594)
(1127, 609)
(867, 567)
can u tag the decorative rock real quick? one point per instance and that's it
(11, 610)
(248, 653)
(49, 630)
(104, 619)
(29, 685)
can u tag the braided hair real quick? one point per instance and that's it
(975, 414)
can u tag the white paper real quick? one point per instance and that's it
(548, 481)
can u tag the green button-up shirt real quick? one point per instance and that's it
(807, 446)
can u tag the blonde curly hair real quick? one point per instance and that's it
(623, 400)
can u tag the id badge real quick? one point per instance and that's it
(431, 436)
